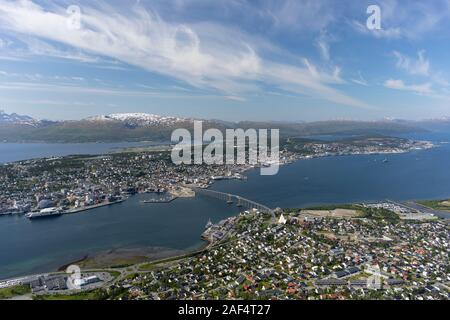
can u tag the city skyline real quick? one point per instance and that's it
(231, 60)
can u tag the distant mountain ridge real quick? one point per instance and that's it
(15, 118)
(139, 119)
(150, 127)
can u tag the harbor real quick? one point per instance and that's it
(50, 243)
(47, 244)
(166, 199)
(55, 212)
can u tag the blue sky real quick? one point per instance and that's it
(226, 59)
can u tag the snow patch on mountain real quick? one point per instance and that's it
(15, 118)
(139, 119)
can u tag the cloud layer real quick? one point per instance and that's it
(205, 55)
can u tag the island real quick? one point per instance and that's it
(63, 185)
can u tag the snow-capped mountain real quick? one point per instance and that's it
(139, 119)
(15, 118)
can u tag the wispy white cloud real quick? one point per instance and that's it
(46, 102)
(360, 80)
(423, 89)
(203, 55)
(388, 33)
(419, 66)
(37, 47)
(323, 76)
(323, 45)
(235, 98)
(67, 88)
(26, 47)
(4, 43)
(37, 77)
(302, 15)
(107, 91)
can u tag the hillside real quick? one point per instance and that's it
(147, 127)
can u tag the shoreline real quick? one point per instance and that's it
(124, 257)
(205, 243)
(185, 191)
(147, 254)
(95, 206)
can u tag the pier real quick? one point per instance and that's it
(232, 198)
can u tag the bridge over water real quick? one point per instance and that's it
(232, 198)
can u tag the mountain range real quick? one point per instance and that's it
(149, 127)
(15, 118)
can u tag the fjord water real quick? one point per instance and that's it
(420, 174)
(44, 245)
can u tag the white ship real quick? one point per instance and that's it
(49, 212)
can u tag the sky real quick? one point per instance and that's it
(295, 60)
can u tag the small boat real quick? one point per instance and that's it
(385, 160)
(209, 224)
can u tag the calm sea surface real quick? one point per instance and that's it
(422, 174)
(44, 245)
(41, 245)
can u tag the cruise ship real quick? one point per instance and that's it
(49, 212)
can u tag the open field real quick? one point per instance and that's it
(98, 294)
(443, 205)
(10, 292)
(120, 258)
(335, 213)
(182, 192)
(350, 211)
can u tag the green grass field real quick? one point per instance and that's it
(436, 204)
(7, 293)
(98, 294)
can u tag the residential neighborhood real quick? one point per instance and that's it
(304, 258)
